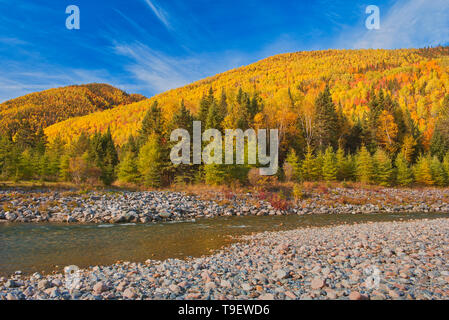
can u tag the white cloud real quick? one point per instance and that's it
(409, 23)
(159, 12)
(157, 71)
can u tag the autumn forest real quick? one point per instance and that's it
(372, 116)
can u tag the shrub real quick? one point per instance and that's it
(278, 203)
(254, 177)
(298, 192)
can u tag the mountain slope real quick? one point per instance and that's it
(288, 84)
(42, 109)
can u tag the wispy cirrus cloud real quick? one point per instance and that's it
(160, 13)
(155, 70)
(407, 24)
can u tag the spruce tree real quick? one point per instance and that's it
(130, 146)
(24, 136)
(54, 153)
(446, 167)
(438, 174)
(341, 165)
(310, 169)
(152, 123)
(81, 145)
(404, 175)
(150, 162)
(364, 166)
(40, 141)
(26, 167)
(329, 165)
(127, 169)
(214, 174)
(383, 169)
(345, 166)
(64, 168)
(423, 172)
(110, 159)
(350, 168)
(253, 108)
(103, 154)
(205, 103)
(319, 160)
(213, 120)
(292, 168)
(6, 147)
(244, 119)
(43, 166)
(326, 123)
(222, 106)
(440, 140)
(182, 119)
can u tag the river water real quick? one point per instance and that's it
(49, 247)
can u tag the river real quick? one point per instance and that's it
(49, 247)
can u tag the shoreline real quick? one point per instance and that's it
(310, 263)
(156, 206)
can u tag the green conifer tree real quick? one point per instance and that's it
(150, 162)
(364, 166)
(340, 159)
(310, 168)
(64, 171)
(423, 172)
(326, 121)
(438, 174)
(153, 122)
(404, 175)
(292, 167)
(103, 154)
(214, 174)
(329, 165)
(383, 169)
(25, 168)
(213, 120)
(446, 167)
(127, 170)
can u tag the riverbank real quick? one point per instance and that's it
(153, 206)
(400, 260)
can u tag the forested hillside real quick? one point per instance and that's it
(287, 86)
(26, 115)
(372, 116)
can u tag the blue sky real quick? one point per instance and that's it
(149, 46)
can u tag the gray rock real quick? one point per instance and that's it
(165, 214)
(43, 284)
(10, 216)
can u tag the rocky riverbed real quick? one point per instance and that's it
(384, 260)
(146, 207)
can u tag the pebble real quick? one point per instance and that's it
(153, 206)
(357, 296)
(129, 293)
(294, 264)
(100, 287)
(317, 283)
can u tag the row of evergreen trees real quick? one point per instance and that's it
(145, 159)
(90, 159)
(384, 147)
(377, 168)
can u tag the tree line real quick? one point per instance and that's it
(384, 146)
